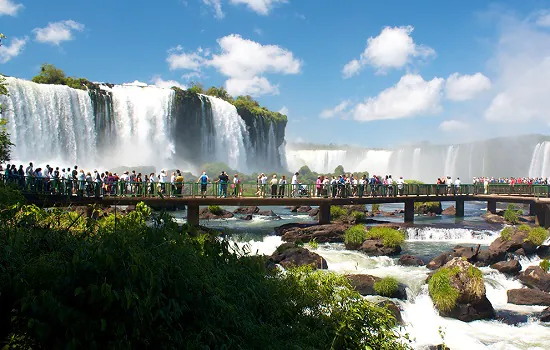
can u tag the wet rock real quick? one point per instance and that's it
(545, 315)
(355, 207)
(375, 247)
(393, 308)
(313, 212)
(330, 233)
(409, 260)
(511, 267)
(300, 209)
(457, 252)
(526, 296)
(364, 285)
(438, 347)
(289, 255)
(247, 217)
(535, 277)
(514, 243)
(494, 218)
(543, 252)
(450, 211)
(269, 213)
(428, 208)
(247, 210)
(206, 214)
(511, 318)
(488, 257)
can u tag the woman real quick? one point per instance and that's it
(282, 185)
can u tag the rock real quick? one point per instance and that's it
(269, 213)
(545, 315)
(247, 210)
(303, 209)
(543, 252)
(290, 255)
(313, 212)
(451, 211)
(428, 208)
(247, 218)
(294, 209)
(364, 285)
(494, 218)
(526, 296)
(511, 318)
(520, 252)
(393, 308)
(205, 214)
(535, 277)
(511, 267)
(355, 207)
(375, 247)
(511, 245)
(458, 251)
(472, 311)
(438, 347)
(409, 260)
(488, 257)
(330, 233)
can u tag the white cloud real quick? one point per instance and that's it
(9, 8)
(465, 87)
(453, 125)
(258, 31)
(216, 7)
(57, 32)
(7, 52)
(284, 110)
(261, 7)
(158, 81)
(522, 72)
(411, 96)
(336, 111)
(543, 18)
(392, 48)
(244, 62)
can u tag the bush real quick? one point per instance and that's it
(313, 244)
(215, 209)
(525, 228)
(375, 207)
(512, 214)
(386, 287)
(545, 265)
(427, 207)
(390, 237)
(443, 294)
(355, 235)
(337, 212)
(537, 236)
(358, 216)
(506, 233)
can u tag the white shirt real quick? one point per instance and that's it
(173, 179)
(162, 177)
(457, 183)
(263, 180)
(125, 177)
(400, 183)
(295, 179)
(274, 181)
(282, 181)
(390, 181)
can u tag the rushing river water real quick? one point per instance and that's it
(515, 326)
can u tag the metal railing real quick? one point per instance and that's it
(67, 187)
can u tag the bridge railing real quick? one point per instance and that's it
(67, 187)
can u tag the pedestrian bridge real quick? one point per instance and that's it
(190, 195)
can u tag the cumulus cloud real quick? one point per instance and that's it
(57, 32)
(262, 7)
(16, 46)
(158, 81)
(453, 125)
(394, 47)
(338, 110)
(522, 72)
(9, 8)
(465, 87)
(542, 18)
(216, 6)
(244, 62)
(411, 96)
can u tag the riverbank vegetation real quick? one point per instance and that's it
(390, 237)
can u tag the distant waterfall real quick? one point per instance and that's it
(540, 161)
(50, 124)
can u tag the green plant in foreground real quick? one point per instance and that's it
(512, 214)
(506, 233)
(545, 265)
(386, 287)
(313, 244)
(215, 209)
(337, 212)
(443, 294)
(355, 235)
(390, 237)
(524, 227)
(537, 236)
(358, 216)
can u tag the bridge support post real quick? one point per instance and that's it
(409, 211)
(193, 214)
(324, 214)
(533, 209)
(542, 217)
(492, 206)
(459, 205)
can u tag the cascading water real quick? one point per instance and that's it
(540, 160)
(50, 123)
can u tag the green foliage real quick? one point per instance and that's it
(386, 287)
(443, 294)
(506, 233)
(220, 93)
(414, 182)
(375, 207)
(215, 209)
(196, 88)
(252, 107)
(313, 244)
(512, 214)
(304, 171)
(429, 207)
(545, 265)
(537, 236)
(337, 212)
(524, 227)
(140, 281)
(358, 216)
(355, 235)
(339, 170)
(10, 196)
(5, 143)
(3, 88)
(390, 237)
(49, 74)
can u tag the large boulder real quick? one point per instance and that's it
(355, 207)
(290, 255)
(511, 267)
(313, 212)
(428, 208)
(515, 242)
(545, 315)
(544, 251)
(458, 291)
(488, 257)
(269, 213)
(494, 218)
(535, 277)
(364, 285)
(458, 252)
(246, 210)
(300, 209)
(375, 247)
(450, 211)
(526, 296)
(206, 214)
(409, 260)
(330, 233)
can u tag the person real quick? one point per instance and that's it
(223, 179)
(29, 172)
(236, 186)
(274, 183)
(449, 183)
(333, 186)
(318, 186)
(263, 185)
(162, 181)
(457, 185)
(324, 191)
(361, 188)
(400, 185)
(173, 189)
(282, 185)
(203, 180)
(179, 183)
(295, 184)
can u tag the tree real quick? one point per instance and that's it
(196, 88)
(49, 74)
(220, 93)
(339, 170)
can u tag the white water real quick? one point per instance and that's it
(540, 161)
(50, 123)
(457, 235)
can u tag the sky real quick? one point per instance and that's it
(367, 73)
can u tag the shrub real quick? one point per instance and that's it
(386, 287)
(427, 207)
(545, 265)
(443, 294)
(215, 209)
(512, 214)
(537, 236)
(355, 235)
(506, 233)
(525, 228)
(337, 212)
(375, 207)
(358, 216)
(313, 244)
(390, 237)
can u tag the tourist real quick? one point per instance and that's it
(179, 183)
(282, 185)
(326, 185)
(318, 186)
(236, 186)
(203, 180)
(274, 183)
(400, 185)
(223, 180)
(263, 185)
(295, 184)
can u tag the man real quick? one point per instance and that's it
(457, 185)
(400, 184)
(236, 186)
(179, 183)
(295, 184)
(203, 180)
(223, 179)
(29, 173)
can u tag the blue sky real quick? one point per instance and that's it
(370, 73)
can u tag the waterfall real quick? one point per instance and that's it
(416, 163)
(450, 161)
(50, 124)
(540, 159)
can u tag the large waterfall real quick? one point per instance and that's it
(502, 157)
(133, 125)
